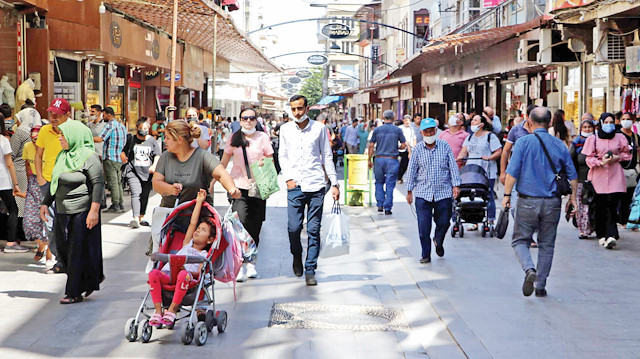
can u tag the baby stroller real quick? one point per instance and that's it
(472, 204)
(198, 302)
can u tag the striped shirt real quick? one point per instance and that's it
(432, 173)
(114, 135)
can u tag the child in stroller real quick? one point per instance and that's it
(197, 242)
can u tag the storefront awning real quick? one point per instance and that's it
(318, 107)
(195, 26)
(329, 99)
(448, 48)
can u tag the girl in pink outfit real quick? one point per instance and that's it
(604, 153)
(197, 241)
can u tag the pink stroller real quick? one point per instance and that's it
(199, 302)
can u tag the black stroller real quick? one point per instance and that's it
(472, 204)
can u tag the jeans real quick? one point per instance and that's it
(404, 164)
(139, 194)
(113, 174)
(386, 173)
(543, 215)
(440, 212)
(297, 201)
(491, 206)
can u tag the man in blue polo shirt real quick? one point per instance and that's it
(538, 208)
(385, 139)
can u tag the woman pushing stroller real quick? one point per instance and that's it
(197, 241)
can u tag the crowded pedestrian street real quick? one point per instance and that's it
(464, 305)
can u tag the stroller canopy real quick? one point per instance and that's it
(473, 176)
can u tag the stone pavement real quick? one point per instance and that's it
(467, 304)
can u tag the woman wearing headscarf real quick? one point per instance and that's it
(580, 162)
(363, 135)
(604, 153)
(77, 185)
(28, 118)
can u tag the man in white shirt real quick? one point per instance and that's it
(305, 156)
(405, 154)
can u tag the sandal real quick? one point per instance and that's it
(39, 254)
(156, 320)
(144, 223)
(169, 318)
(56, 269)
(71, 300)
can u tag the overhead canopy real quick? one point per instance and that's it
(329, 99)
(448, 48)
(195, 26)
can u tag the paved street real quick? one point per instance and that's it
(467, 304)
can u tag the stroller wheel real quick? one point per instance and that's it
(187, 334)
(147, 329)
(131, 330)
(210, 320)
(453, 231)
(201, 333)
(483, 231)
(461, 230)
(491, 231)
(221, 319)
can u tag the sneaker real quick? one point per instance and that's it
(15, 248)
(251, 271)
(311, 279)
(602, 242)
(297, 266)
(387, 212)
(144, 223)
(120, 209)
(242, 274)
(112, 209)
(425, 260)
(529, 277)
(380, 209)
(134, 223)
(541, 292)
(610, 243)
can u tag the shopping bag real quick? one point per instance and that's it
(231, 225)
(503, 223)
(266, 177)
(336, 241)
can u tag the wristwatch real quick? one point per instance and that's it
(507, 194)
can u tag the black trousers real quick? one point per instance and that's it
(607, 214)
(625, 205)
(252, 212)
(12, 208)
(404, 164)
(80, 251)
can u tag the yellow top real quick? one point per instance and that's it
(29, 155)
(49, 140)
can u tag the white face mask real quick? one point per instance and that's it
(93, 117)
(586, 134)
(475, 128)
(248, 132)
(453, 122)
(429, 139)
(301, 120)
(626, 124)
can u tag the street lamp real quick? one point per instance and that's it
(334, 46)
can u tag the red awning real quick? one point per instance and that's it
(448, 48)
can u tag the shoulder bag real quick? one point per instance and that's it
(588, 192)
(563, 187)
(253, 186)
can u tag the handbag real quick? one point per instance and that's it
(253, 186)
(563, 187)
(588, 193)
(266, 177)
(503, 223)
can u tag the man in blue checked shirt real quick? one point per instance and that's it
(433, 176)
(114, 136)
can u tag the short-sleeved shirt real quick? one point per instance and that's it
(48, 139)
(483, 146)
(455, 141)
(29, 155)
(187, 250)
(386, 138)
(516, 133)
(156, 127)
(5, 178)
(96, 129)
(259, 147)
(194, 174)
(141, 154)
(114, 135)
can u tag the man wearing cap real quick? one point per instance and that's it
(114, 136)
(433, 176)
(385, 139)
(47, 149)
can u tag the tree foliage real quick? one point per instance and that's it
(312, 88)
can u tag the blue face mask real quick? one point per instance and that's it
(608, 127)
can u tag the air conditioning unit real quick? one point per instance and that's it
(607, 46)
(527, 51)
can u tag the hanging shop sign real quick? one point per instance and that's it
(115, 34)
(317, 59)
(295, 80)
(167, 76)
(336, 31)
(287, 85)
(155, 49)
(304, 74)
(116, 81)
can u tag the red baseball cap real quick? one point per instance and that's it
(59, 106)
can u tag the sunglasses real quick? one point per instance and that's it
(248, 118)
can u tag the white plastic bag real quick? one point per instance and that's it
(336, 241)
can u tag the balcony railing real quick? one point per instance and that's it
(510, 12)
